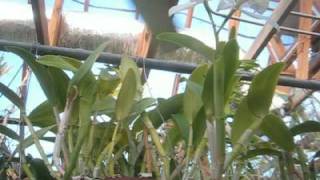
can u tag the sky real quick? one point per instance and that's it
(159, 83)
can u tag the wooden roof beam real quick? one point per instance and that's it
(303, 49)
(40, 20)
(55, 23)
(278, 16)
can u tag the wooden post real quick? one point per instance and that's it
(40, 20)
(233, 23)
(304, 41)
(55, 23)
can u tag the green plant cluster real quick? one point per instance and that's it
(210, 131)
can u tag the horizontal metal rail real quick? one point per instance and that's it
(166, 65)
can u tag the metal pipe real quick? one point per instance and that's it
(166, 65)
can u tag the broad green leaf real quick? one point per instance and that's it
(162, 112)
(262, 89)
(126, 64)
(107, 83)
(8, 132)
(60, 62)
(29, 140)
(199, 127)
(207, 93)
(242, 121)
(261, 152)
(60, 81)
(182, 123)
(218, 87)
(172, 137)
(305, 127)
(231, 64)
(12, 96)
(142, 105)
(87, 65)
(105, 105)
(278, 132)
(188, 42)
(52, 80)
(42, 116)
(192, 96)
(126, 96)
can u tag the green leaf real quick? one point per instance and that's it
(207, 93)
(107, 83)
(105, 105)
(29, 140)
(60, 62)
(126, 64)
(305, 127)
(53, 81)
(242, 121)
(278, 132)
(8, 132)
(162, 112)
(261, 152)
(182, 123)
(199, 127)
(262, 89)
(142, 105)
(189, 42)
(231, 64)
(126, 96)
(172, 138)
(87, 65)
(12, 96)
(42, 116)
(192, 97)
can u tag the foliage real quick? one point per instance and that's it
(103, 126)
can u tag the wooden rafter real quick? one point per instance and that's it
(55, 23)
(304, 45)
(278, 16)
(278, 52)
(233, 23)
(40, 20)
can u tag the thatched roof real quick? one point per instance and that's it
(74, 37)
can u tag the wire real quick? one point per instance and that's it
(13, 78)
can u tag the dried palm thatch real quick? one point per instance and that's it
(24, 31)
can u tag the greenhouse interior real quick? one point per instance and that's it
(159, 89)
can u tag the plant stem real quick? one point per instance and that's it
(113, 140)
(156, 140)
(148, 155)
(283, 174)
(211, 143)
(189, 149)
(62, 128)
(220, 148)
(302, 158)
(39, 147)
(107, 151)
